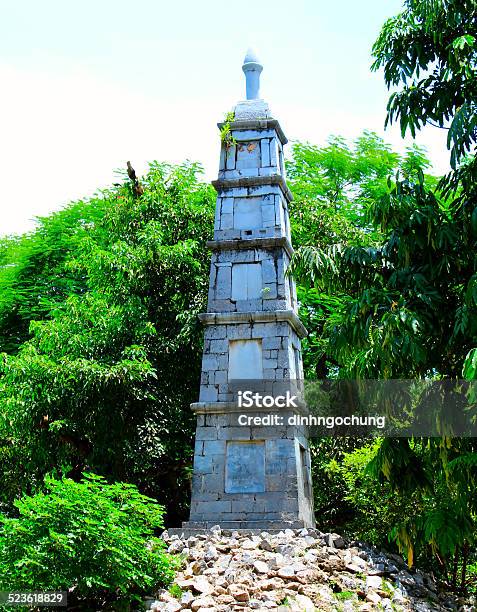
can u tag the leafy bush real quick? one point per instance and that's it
(90, 536)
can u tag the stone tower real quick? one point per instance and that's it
(250, 476)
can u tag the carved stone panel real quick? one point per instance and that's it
(245, 467)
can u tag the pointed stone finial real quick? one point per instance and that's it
(252, 69)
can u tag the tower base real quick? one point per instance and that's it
(191, 528)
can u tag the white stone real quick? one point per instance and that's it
(286, 572)
(245, 360)
(305, 603)
(247, 213)
(246, 281)
(373, 582)
(261, 567)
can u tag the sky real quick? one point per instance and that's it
(86, 86)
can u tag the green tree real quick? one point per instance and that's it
(96, 385)
(408, 306)
(333, 187)
(429, 51)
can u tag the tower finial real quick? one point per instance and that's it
(252, 69)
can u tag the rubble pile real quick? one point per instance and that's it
(294, 571)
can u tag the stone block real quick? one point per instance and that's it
(227, 206)
(222, 158)
(249, 172)
(209, 362)
(248, 506)
(230, 158)
(213, 483)
(248, 135)
(208, 393)
(243, 331)
(269, 272)
(265, 151)
(207, 433)
(219, 346)
(202, 464)
(213, 447)
(245, 359)
(248, 155)
(233, 433)
(269, 364)
(211, 508)
(249, 305)
(266, 171)
(269, 374)
(247, 213)
(272, 342)
(274, 160)
(220, 377)
(246, 281)
(268, 213)
(223, 281)
(213, 332)
(270, 291)
(226, 221)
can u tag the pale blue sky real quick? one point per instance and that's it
(86, 86)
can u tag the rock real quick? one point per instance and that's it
(239, 592)
(202, 602)
(184, 583)
(186, 599)
(287, 550)
(176, 547)
(265, 544)
(310, 556)
(241, 573)
(333, 540)
(305, 603)
(211, 554)
(201, 585)
(373, 582)
(197, 567)
(277, 561)
(219, 590)
(261, 567)
(286, 572)
(373, 597)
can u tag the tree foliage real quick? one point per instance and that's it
(407, 302)
(429, 51)
(94, 539)
(111, 288)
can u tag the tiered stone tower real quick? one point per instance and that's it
(250, 477)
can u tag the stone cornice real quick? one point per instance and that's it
(254, 181)
(252, 243)
(258, 316)
(232, 407)
(258, 124)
